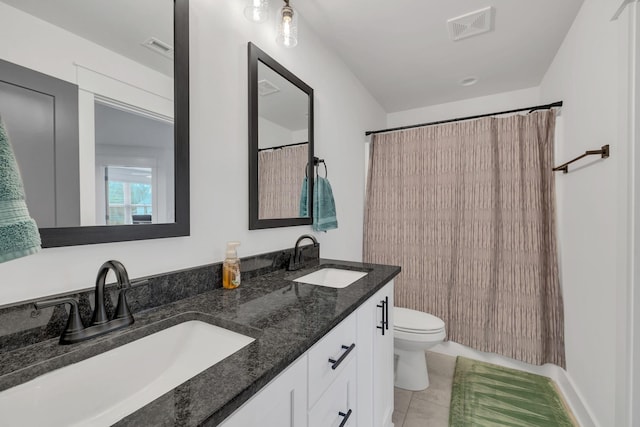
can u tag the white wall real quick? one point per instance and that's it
(635, 288)
(50, 50)
(469, 107)
(301, 135)
(589, 73)
(271, 134)
(219, 202)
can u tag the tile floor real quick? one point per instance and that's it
(428, 408)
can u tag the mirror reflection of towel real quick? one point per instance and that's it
(304, 203)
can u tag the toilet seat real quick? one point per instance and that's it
(437, 336)
(416, 322)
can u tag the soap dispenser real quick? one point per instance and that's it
(231, 267)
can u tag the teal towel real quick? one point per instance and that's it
(19, 234)
(304, 203)
(324, 207)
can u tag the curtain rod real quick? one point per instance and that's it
(531, 109)
(282, 146)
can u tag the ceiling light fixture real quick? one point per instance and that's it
(257, 10)
(287, 26)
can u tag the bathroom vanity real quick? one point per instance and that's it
(298, 332)
(345, 378)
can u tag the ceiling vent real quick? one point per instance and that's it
(159, 46)
(265, 87)
(471, 24)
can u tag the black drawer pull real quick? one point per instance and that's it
(346, 417)
(337, 363)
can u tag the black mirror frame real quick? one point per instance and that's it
(256, 55)
(71, 236)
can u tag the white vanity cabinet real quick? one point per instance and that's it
(375, 359)
(345, 379)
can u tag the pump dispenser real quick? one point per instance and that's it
(231, 267)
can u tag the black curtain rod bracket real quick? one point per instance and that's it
(603, 152)
(530, 109)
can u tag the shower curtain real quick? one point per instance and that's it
(468, 210)
(280, 174)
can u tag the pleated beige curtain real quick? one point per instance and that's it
(280, 174)
(468, 210)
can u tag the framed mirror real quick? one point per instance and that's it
(280, 145)
(95, 98)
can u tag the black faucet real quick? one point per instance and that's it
(295, 262)
(100, 324)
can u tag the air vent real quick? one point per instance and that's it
(265, 87)
(471, 24)
(159, 46)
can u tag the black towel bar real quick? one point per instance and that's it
(604, 152)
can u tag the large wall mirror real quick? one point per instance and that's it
(95, 98)
(280, 145)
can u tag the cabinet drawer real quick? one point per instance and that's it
(338, 402)
(336, 345)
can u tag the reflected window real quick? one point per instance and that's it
(129, 193)
(134, 165)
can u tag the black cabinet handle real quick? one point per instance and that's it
(337, 363)
(384, 306)
(381, 306)
(386, 312)
(346, 417)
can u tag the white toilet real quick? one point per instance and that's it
(414, 332)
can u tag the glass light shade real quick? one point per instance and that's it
(287, 27)
(257, 10)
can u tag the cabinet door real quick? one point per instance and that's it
(383, 360)
(282, 403)
(375, 359)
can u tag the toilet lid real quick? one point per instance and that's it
(415, 321)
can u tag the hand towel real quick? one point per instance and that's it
(19, 234)
(324, 207)
(304, 202)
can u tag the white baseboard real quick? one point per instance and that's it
(560, 376)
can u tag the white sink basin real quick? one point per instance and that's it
(332, 277)
(105, 388)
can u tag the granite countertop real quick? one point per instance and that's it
(285, 318)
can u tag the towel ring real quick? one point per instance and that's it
(326, 173)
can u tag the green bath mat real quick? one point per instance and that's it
(490, 395)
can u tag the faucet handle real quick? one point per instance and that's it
(122, 308)
(74, 323)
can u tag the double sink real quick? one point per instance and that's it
(136, 373)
